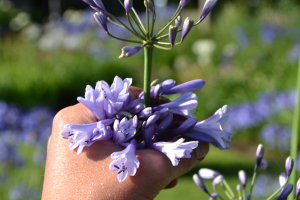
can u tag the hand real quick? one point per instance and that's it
(87, 176)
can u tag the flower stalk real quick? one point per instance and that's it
(148, 54)
(295, 134)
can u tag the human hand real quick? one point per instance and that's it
(69, 176)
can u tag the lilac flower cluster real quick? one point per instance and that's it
(283, 192)
(130, 124)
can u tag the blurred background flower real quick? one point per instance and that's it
(246, 51)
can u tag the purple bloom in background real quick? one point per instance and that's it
(208, 173)
(184, 105)
(176, 150)
(268, 33)
(210, 130)
(22, 191)
(199, 182)
(293, 54)
(242, 37)
(208, 6)
(125, 162)
(123, 130)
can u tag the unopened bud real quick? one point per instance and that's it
(187, 26)
(129, 51)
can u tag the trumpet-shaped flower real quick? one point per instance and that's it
(210, 130)
(184, 105)
(125, 162)
(123, 130)
(176, 150)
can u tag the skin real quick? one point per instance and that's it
(69, 176)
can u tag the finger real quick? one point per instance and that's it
(172, 184)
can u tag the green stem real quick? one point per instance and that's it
(226, 191)
(253, 178)
(148, 52)
(148, 25)
(153, 19)
(277, 191)
(228, 188)
(133, 27)
(125, 40)
(160, 47)
(138, 18)
(168, 24)
(295, 135)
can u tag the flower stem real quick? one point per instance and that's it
(148, 53)
(277, 192)
(253, 179)
(295, 135)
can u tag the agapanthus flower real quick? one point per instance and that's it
(125, 162)
(176, 150)
(210, 130)
(123, 130)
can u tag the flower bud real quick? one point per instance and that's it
(101, 20)
(138, 108)
(214, 195)
(209, 4)
(153, 118)
(199, 182)
(217, 180)
(127, 5)
(259, 154)
(172, 34)
(183, 3)
(248, 196)
(186, 125)
(150, 5)
(100, 5)
(189, 86)
(135, 122)
(148, 134)
(164, 113)
(243, 177)
(165, 123)
(208, 173)
(238, 187)
(282, 179)
(178, 21)
(289, 164)
(146, 112)
(133, 104)
(263, 164)
(187, 26)
(128, 51)
(298, 188)
(158, 91)
(285, 192)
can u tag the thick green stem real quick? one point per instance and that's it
(148, 52)
(295, 135)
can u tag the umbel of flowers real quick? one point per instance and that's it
(130, 124)
(282, 193)
(142, 123)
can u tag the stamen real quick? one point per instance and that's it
(116, 167)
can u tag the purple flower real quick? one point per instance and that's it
(128, 5)
(190, 86)
(210, 130)
(183, 3)
(214, 196)
(208, 173)
(282, 179)
(129, 51)
(263, 164)
(106, 101)
(101, 20)
(209, 4)
(186, 125)
(176, 150)
(178, 21)
(184, 105)
(259, 154)
(152, 119)
(285, 192)
(248, 196)
(148, 134)
(243, 177)
(164, 124)
(172, 34)
(298, 189)
(199, 182)
(217, 180)
(84, 135)
(187, 26)
(167, 84)
(289, 164)
(123, 130)
(125, 162)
